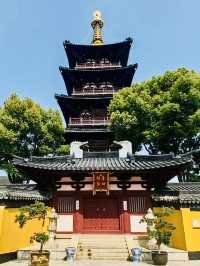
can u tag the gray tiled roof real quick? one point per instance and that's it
(184, 187)
(136, 163)
(183, 193)
(22, 192)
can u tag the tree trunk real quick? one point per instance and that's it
(41, 246)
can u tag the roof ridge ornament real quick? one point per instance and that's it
(97, 25)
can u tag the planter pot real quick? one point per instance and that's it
(39, 258)
(159, 257)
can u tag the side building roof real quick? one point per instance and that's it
(22, 193)
(178, 194)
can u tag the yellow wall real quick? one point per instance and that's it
(12, 237)
(184, 236)
(192, 234)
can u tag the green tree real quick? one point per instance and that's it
(162, 113)
(27, 129)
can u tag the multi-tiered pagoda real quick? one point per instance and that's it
(101, 186)
(95, 73)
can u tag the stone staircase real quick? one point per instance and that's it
(102, 247)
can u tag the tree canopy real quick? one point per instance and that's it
(162, 113)
(27, 129)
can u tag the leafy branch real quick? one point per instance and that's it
(37, 210)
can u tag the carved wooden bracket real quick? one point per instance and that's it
(124, 185)
(78, 186)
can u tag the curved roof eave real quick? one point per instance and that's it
(127, 40)
(79, 51)
(72, 77)
(134, 164)
(90, 70)
(70, 98)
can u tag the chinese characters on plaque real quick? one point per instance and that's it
(100, 182)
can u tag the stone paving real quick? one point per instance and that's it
(102, 263)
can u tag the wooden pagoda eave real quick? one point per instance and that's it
(74, 133)
(68, 104)
(115, 51)
(70, 99)
(119, 77)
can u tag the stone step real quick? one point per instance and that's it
(63, 236)
(172, 256)
(102, 238)
(105, 252)
(58, 255)
(178, 256)
(98, 245)
(107, 244)
(102, 247)
(120, 241)
(113, 254)
(111, 258)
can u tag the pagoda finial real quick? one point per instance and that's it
(97, 25)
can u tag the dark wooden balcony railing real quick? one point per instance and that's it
(97, 65)
(97, 121)
(92, 90)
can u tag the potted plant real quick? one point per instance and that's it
(37, 210)
(161, 231)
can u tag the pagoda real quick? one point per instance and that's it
(101, 186)
(95, 73)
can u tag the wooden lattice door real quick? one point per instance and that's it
(101, 215)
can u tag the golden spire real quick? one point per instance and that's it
(97, 25)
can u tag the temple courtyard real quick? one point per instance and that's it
(103, 263)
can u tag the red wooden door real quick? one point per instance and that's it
(101, 215)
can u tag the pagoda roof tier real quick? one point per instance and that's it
(119, 77)
(76, 99)
(89, 130)
(151, 168)
(85, 134)
(73, 104)
(115, 52)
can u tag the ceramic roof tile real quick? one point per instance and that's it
(114, 163)
(184, 193)
(22, 192)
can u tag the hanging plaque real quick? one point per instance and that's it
(101, 182)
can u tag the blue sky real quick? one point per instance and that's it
(166, 35)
